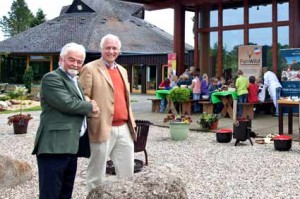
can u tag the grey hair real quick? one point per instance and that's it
(110, 36)
(72, 47)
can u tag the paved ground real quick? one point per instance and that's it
(262, 124)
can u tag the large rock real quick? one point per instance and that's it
(151, 183)
(13, 172)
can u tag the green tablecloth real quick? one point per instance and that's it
(161, 94)
(215, 96)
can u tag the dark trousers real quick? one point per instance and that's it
(56, 175)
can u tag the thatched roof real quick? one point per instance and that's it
(88, 26)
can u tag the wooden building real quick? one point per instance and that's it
(276, 22)
(144, 49)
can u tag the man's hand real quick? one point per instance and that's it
(95, 106)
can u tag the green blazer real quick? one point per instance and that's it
(62, 115)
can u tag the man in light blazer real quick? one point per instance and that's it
(112, 130)
(61, 136)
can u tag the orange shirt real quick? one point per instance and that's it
(120, 107)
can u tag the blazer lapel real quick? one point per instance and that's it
(103, 70)
(69, 82)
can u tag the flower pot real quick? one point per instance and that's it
(20, 128)
(214, 125)
(179, 130)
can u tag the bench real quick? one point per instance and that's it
(248, 108)
(187, 106)
(155, 105)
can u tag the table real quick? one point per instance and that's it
(226, 97)
(164, 94)
(290, 104)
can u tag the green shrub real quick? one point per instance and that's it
(180, 95)
(28, 78)
(4, 98)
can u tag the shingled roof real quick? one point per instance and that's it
(87, 27)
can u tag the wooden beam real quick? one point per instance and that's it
(220, 41)
(179, 27)
(275, 36)
(196, 39)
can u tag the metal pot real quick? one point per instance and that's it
(282, 142)
(224, 135)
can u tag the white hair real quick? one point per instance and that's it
(110, 36)
(72, 47)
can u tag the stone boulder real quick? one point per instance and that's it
(13, 172)
(150, 183)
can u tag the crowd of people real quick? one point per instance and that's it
(249, 89)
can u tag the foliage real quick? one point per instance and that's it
(178, 118)
(4, 98)
(18, 20)
(180, 94)
(39, 18)
(35, 108)
(21, 119)
(28, 78)
(206, 119)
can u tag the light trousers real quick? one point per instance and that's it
(120, 148)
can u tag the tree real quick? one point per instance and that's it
(18, 20)
(39, 18)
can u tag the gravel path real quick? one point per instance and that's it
(209, 169)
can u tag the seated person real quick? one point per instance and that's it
(213, 87)
(164, 85)
(184, 80)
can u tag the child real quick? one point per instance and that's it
(241, 85)
(196, 87)
(164, 85)
(252, 90)
(213, 87)
(204, 85)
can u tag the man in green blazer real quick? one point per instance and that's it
(61, 136)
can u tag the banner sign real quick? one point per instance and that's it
(291, 64)
(250, 60)
(171, 64)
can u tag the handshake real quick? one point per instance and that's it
(95, 106)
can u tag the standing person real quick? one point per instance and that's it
(241, 85)
(112, 132)
(273, 86)
(252, 90)
(62, 127)
(196, 87)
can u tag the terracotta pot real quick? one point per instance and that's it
(214, 125)
(20, 129)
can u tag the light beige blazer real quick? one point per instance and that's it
(97, 85)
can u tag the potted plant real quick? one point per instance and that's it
(180, 95)
(208, 121)
(19, 121)
(179, 126)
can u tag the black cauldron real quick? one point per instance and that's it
(282, 142)
(224, 135)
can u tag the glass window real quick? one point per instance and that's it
(213, 51)
(233, 16)
(283, 11)
(260, 36)
(230, 48)
(263, 37)
(214, 18)
(260, 14)
(283, 43)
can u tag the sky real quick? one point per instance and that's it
(161, 18)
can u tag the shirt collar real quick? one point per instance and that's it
(111, 67)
